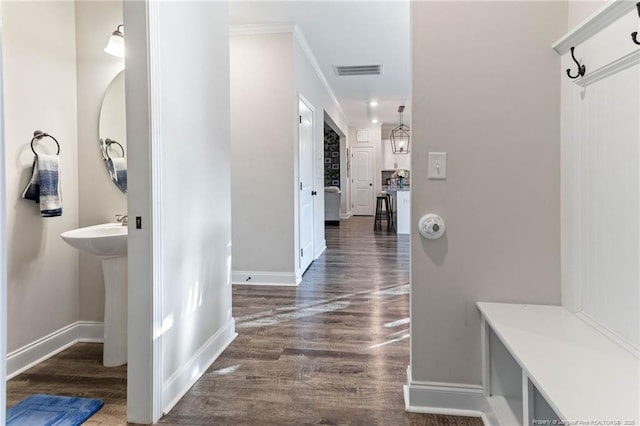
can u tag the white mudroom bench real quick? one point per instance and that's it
(545, 365)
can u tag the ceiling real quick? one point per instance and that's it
(349, 33)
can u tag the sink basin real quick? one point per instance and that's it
(109, 243)
(106, 240)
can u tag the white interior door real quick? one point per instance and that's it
(362, 180)
(305, 185)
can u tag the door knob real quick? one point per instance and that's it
(314, 193)
(370, 184)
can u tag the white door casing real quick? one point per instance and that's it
(305, 185)
(362, 180)
(3, 264)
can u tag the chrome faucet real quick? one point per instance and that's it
(123, 219)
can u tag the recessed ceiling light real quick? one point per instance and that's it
(374, 121)
(373, 103)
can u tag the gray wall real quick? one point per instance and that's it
(262, 152)
(486, 90)
(579, 10)
(39, 93)
(69, 80)
(268, 71)
(99, 199)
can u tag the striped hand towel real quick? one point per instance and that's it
(118, 167)
(44, 187)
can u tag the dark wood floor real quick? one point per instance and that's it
(333, 351)
(77, 371)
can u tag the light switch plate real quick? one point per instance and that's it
(437, 165)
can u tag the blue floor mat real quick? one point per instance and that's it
(51, 410)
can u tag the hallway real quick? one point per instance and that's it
(333, 351)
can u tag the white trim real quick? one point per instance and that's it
(611, 12)
(314, 64)
(3, 257)
(155, 133)
(609, 333)
(44, 348)
(182, 379)
(614, 67)
(444, 398)
(255, 29)
(264, 278)
(90, 331)
(321, 250)
(346, 215)
(302, 99)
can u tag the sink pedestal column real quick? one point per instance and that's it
(115, 311)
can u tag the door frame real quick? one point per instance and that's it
(305, 101)
(372, 169)
(3, 259)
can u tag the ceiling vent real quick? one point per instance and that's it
(343, 71)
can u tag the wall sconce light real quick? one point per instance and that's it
(115, 46)
(400, 136)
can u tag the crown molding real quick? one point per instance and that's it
(314, 64)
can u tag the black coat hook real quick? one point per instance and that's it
(581, 68)
(634, 35)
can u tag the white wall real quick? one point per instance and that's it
(262, 153)
(99, 199)
(308, 84)
(600, 164)
(39, 93)
(180, 127)
(494, 107)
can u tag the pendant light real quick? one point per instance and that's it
(400, 136)
(115, 46)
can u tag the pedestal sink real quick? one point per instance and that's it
(109, 243)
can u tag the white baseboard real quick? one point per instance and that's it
(174, 388)
(321, 250)
(444, 398)
(34, 353)
(264, 278)
(346, 215)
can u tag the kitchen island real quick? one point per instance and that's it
(402, 205)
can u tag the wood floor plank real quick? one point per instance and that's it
(333, 351)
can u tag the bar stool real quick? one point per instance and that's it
(391, 223)
(382, 212)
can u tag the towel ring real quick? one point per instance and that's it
(39, 134)
(108, 142)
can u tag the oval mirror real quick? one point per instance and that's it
(112, 130)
